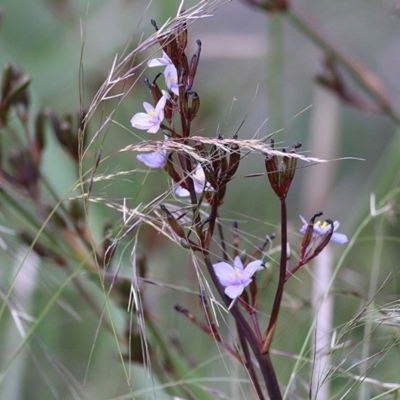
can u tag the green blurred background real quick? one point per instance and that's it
(257, 68)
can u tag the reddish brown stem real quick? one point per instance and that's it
(269, 333)
(264, 360)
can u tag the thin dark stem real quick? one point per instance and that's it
(264, 360)
(269, 333)
(256, 326)
(294, 270)
(249, 364)
(222, 240)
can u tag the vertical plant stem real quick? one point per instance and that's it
(269, 333)
(264, 360)
(222, 240)
(249, 363)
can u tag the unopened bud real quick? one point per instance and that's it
(155, 91)
(281, 175)
(194, 62)
(194, 107)
(40, 131)
(182, 38)
(325, 239)
(173, 223)
(234, 160)
(308, 236)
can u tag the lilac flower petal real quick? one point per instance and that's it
(152, 119)
(171, 79)
(199, 181)
(148, 107)
(182, 192)
(234, 291)
(238, 263)
(159, 62)
(152, 160)
(339, 238)
(235, 278)
(161, 104)
(141, 121)
(252, 268)
(323, 228)
(225, 273)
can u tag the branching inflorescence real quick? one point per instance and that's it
(200, 168)
(202, 172)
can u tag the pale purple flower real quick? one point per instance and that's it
(170, 73)
(320, 229)
(160, 62)
(153, 160)
(235, 278)
(199, 181)
(156, 159)
(171, 79)
(151, 120)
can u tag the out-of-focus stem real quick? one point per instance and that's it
(179, 366)
(366, 79)
(222, 240)
(275, 70)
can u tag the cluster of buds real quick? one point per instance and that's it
(21, 168)
(14, 93)
(281, 174)
(209, 177)
(69, 131)
(179, 96)
(179, 78)
(203, 171)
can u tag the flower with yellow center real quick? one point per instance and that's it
(235, 278)
(153, 117)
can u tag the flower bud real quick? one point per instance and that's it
(25, 170)
(154, 89)
(234, 160)
(325, 239)
(194, 107)
(168, 44)
(173, 223)
(13, 87)
(281, 175)
(182, 38)
(194, 62)
(308, 236)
